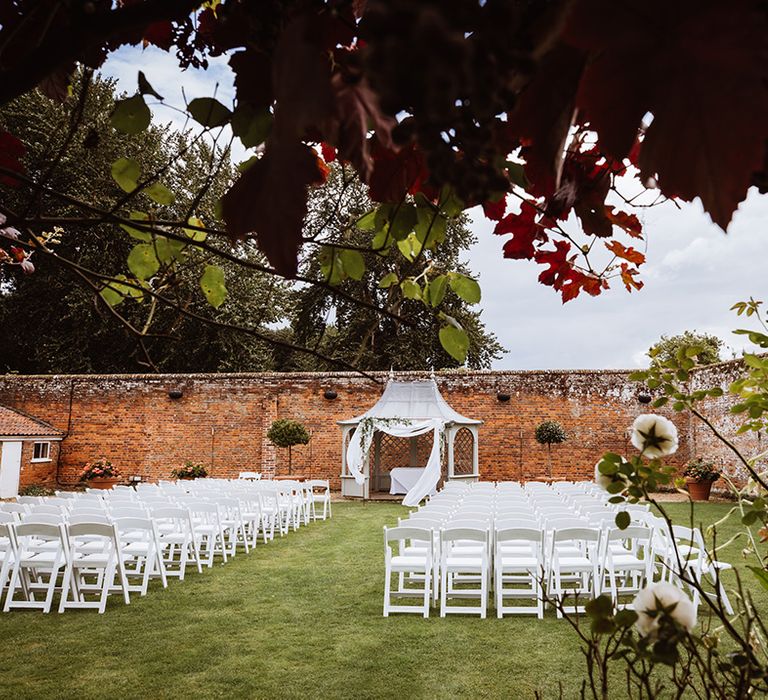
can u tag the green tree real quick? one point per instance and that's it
(54, 326)
(285, 432)
(342, 327)
(668, 347)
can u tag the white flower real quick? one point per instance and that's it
(10, 232)
(655, 436)
(602, 480)
(659, 596)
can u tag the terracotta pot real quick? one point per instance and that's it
(106, 482)
(699, 490)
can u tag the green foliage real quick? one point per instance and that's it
(702, 469)
(131, 115)
(285, 432)
(213, 286)
(702, 347)
(209, 112)
(126, 172)
(550, 433)
(190, 470)
(35, 490)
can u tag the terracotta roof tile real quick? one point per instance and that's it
(17, 424)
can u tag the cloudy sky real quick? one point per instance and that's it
(693, 274)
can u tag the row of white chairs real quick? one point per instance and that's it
(94, 544)
(519, 541)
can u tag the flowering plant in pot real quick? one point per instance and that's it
(100, 473)
(699, 475)
(190, 471)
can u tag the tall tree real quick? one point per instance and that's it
(55, 326)
(668, 348)
(359, 335)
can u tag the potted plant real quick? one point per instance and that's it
(190, 471)
(287, 433)
(550, 433)
(100, 474)
(699, 475)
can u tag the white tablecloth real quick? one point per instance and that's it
(402, 479)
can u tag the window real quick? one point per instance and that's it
(41, 452)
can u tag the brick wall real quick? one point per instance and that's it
(43, 473)
(221, 420)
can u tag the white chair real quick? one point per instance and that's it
(453, 564)
(407, 564)
(519, 561)
(627, 557)
(41, 548)
(140, 552)
(575, 569)
(208, 532)
(251, 476)
(178, 545)
(7, 550)
(90, 570)
(320, 492)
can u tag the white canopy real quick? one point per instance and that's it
(414, 401)
(405, 409)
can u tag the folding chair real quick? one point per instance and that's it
(90, 570)
(140, 552)
(40, 548)
(518, 561)
(407, 564)
(578, 564)
(322, 496)
(178, 545)
(455, 562)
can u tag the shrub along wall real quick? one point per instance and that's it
(221, 420)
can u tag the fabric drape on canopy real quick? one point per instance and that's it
(360, 443)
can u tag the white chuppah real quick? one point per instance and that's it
(407, 410)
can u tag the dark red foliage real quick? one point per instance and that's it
(495, 210)
(525, 231)
(11, 152)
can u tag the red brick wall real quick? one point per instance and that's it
(43, 473)
(221, 420)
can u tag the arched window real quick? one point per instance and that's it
(463, 452)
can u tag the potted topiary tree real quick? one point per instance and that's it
(699, 475)
(287, 433)
(550, 433)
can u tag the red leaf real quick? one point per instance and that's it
(356, 112)
(328, 152)
(495, 210)
(270, 199)
(701, 72)
(543, 115)
(628, 277)
(524, 230)
(628, 222)
(629, 254)
(559, 266)
(160, 34)
(396, 173)
(11, 151)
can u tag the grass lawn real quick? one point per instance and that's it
(298, 618)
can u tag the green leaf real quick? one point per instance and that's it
(436, 290)
(353, 263)
(212, 284)
(455, 341)
(142, 261)
(159, 193)
(367, 222)
(516, 173)
(615, 487)
(251, 126)
(430, 227)
(599, 608)
(750, 517)
(450, 202)
(247, 164)
(134, 232)
(209, 112)
(403, 222)
(622, 520)
(145, 88)
(115, 293)
(410, 247)
(388, 280)
(126, 172)
(465, 287)
(131, 115)
(661, 401)
(194, 234)
(411, 289)
(625, 618)
(330, 265)
(761, 575)
(168, 249)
